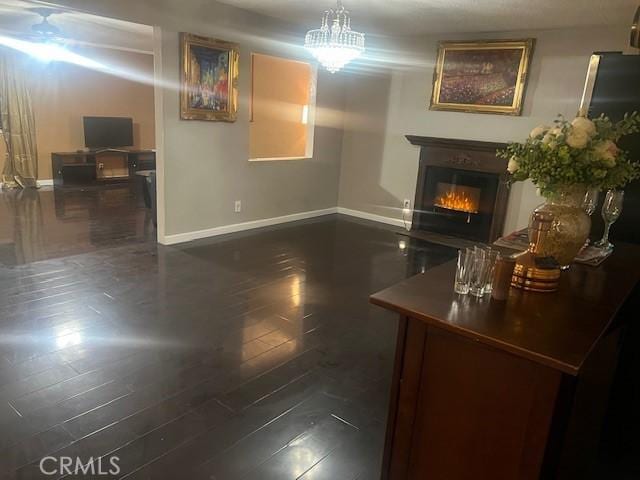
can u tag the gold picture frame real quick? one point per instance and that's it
(488, 76)
(208, 79)
(634, 39)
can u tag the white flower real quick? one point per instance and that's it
(607, 152)
(513, 165)
(539, 131)
(550, 137)
(584, 124)
(577, 138)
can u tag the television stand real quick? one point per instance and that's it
(99, 166)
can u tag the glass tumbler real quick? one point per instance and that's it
(463, 270)
(492, 258)
(479, 272)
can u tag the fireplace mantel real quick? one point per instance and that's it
(469, 154)
(469, 158)
(475, 145)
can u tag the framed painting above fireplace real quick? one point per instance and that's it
(482, 77)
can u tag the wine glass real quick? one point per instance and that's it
(590, 203)
(611, 210)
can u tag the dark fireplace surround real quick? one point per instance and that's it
(462, 189)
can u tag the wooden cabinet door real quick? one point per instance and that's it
(480, 413)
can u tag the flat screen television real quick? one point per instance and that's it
(108, 132)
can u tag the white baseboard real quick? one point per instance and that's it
(266, 222)
(240, 227)
(45, 183)
(397, 222)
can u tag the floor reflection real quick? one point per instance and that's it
(47, 223)
(22, 213)
(249, 356)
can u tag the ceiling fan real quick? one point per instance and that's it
(41, 32)
(44, 28)
(45, 31)
(45, 41)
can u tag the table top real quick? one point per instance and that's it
(145, 173)
(555, 329)
(101, 150)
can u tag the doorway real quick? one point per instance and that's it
(90, 88)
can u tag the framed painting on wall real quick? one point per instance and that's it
(208, 79)
(487, 76)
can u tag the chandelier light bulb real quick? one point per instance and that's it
(334, 44)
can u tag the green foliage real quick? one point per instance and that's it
(577, 152)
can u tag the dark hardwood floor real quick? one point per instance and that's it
(47, 223)
(253, 356)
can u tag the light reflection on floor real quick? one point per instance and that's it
(47, 223)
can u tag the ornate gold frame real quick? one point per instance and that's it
(516, 107)
(634, 38)
(188, 113)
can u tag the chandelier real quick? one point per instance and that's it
(334, 44)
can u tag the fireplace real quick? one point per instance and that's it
(458, 197)
(461, 190)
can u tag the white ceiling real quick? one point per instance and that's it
(412, 17)
(17, 17)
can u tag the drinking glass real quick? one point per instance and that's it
(590, 201)
(492, 258)
(611, 210)
(463, 269)
(479, 272)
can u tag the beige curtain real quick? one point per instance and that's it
(28, 222)
(18, 124)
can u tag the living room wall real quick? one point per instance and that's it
(206, 165)
(63, 93)
(379, 166)
(369, 167)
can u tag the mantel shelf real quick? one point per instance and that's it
(475, 145)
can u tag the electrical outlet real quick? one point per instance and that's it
(406, 204)
(238, 206)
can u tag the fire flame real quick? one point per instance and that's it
(458, 201)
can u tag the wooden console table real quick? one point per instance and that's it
(504, 390)
(90, 168)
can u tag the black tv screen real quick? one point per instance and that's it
(108, 132)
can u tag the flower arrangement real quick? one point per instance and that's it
(582, 151)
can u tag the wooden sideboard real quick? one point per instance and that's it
(108, 165)
(504, 390)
